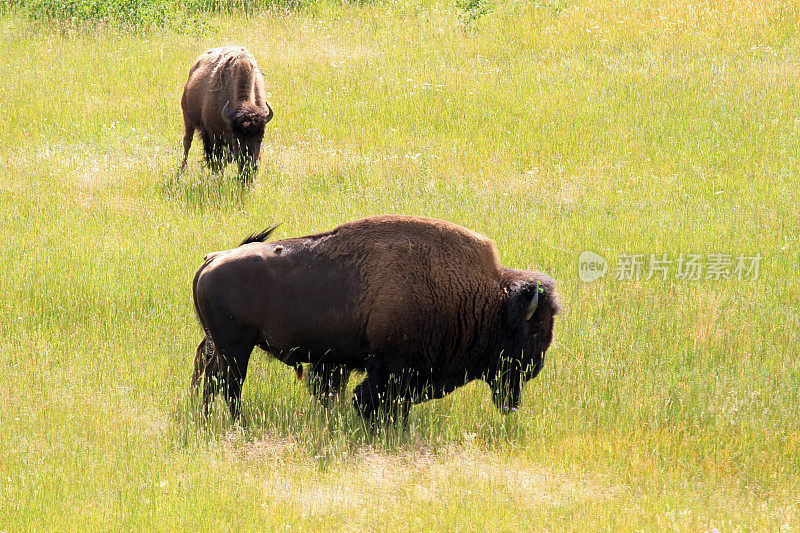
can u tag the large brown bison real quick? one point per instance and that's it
(224, 99)
(422, 305)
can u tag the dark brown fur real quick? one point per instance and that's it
(422, 305)
(224, 99)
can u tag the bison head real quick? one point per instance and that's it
(246, 123)
(531, 308)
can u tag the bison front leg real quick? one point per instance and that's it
(507, 387)
(386, 401)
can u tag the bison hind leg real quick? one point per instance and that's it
(327, 382)
(226, 371)
(224, 360)
(187, 141)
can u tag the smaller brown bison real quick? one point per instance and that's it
(224, 99)
(422, 305)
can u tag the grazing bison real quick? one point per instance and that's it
(423, 306)
(224, 99)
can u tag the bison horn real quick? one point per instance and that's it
(534, 303)
(268, 116)
(225, 116)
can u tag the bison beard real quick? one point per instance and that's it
(422, 305)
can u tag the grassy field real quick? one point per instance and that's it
(641, 127)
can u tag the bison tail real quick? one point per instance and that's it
(259, 237)
(206, 347)
(199, 363)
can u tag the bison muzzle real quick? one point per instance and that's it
(422, 305)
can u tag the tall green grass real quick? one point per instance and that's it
(616, 127)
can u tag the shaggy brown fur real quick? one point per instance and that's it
(224, 99)
(422, 305)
